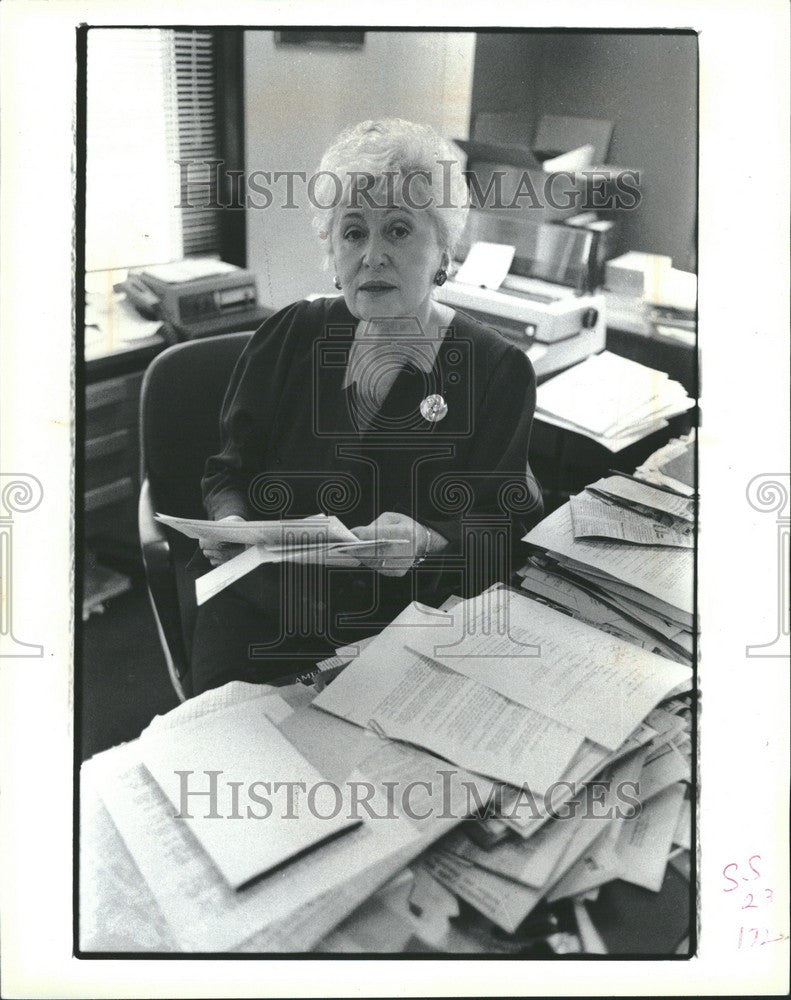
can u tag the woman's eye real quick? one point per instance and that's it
(399, 230)
(353, 233)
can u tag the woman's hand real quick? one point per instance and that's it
(220, 552)
(398, 542)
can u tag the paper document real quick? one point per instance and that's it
(203, 912)
(645, 496)
(611, 400)
(590, 761)
(486, 265)
(596, 393)
(189, 269)
(618, 778)
(406, 697)
(502, 900)
(612, 444)
(242, 745)
(666, 573)
(594, 517)
(598, 610)
(528, 861)
(655, 613)
(683, 834)
(645, 842)
(222, 576)
(595, 684)
(318, 528)
(595, 866)
(663, 770)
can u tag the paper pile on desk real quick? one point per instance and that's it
(514, 705)
(292, 908)
(542, 705)
(611, 400)
(436, 699)
(626, 822)
(627, 510)
(642, 593)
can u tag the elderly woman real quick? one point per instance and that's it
(408, 421)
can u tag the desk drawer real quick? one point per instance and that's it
(110, 493)
(107, 393)
(111, 405)
(107, 458)
(111, 480)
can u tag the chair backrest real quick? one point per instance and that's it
(180, 404)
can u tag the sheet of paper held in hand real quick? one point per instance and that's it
(597, 685)
(408, 698)
(310, 539)
(317, 528)
(595, 517)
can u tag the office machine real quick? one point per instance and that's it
(197, 297)
(546, 298)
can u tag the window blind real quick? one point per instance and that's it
(151, 102)
(196, 107)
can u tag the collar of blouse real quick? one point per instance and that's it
(376, 356)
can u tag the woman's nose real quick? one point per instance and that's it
(375, 253)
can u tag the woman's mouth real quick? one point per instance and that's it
(376, 286)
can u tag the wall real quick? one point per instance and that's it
(296, 102)
(645, 84)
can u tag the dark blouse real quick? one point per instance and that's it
(293, 446)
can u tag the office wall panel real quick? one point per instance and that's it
(646, 84)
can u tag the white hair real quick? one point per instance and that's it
(382, 152)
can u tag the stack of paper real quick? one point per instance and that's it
(265, 776)
(611, 400)
(571, 748)
(509, 688)
(641, 592)
(627, 821)
(622, 508)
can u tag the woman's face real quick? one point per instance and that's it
(386, 259)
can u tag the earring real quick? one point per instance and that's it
(338, 282)
(441, 276)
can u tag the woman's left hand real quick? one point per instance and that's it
(399, 543)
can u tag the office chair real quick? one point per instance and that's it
(180, 404)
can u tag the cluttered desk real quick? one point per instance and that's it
(456, 802)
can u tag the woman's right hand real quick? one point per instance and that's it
(220, 552)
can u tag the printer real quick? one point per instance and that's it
(550, 302)
(546, 304)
